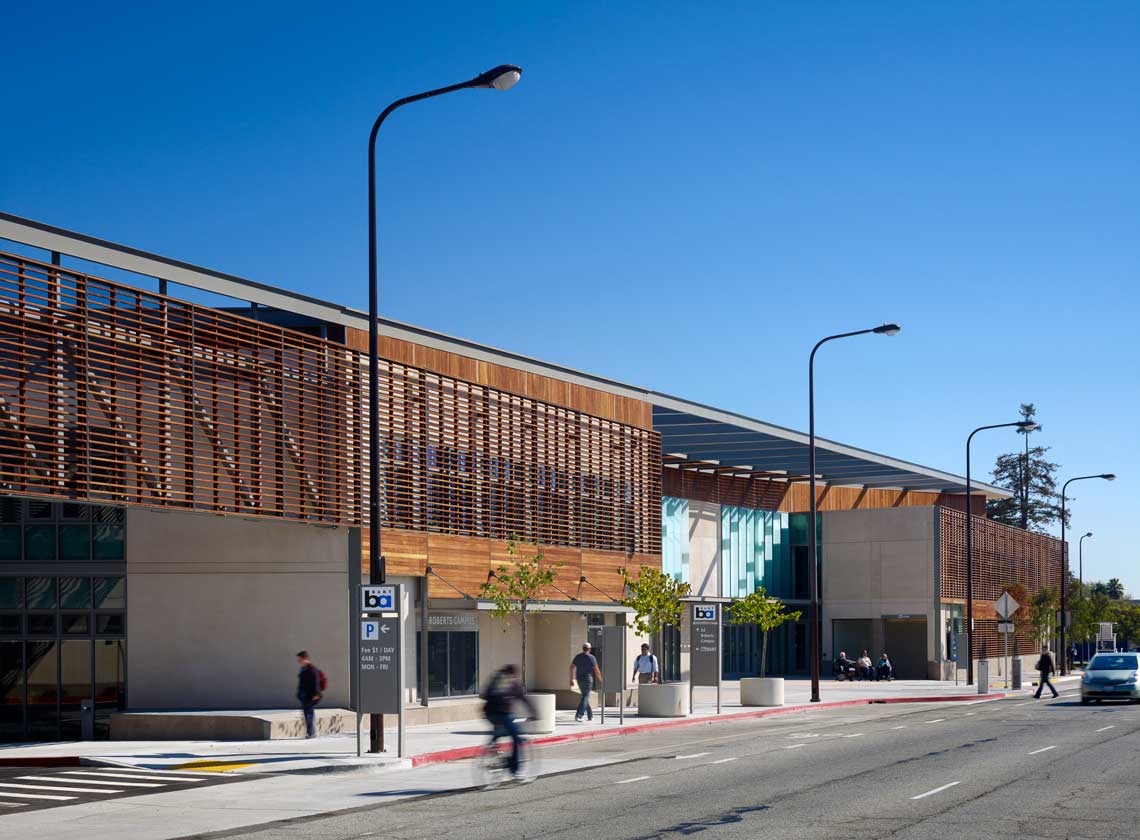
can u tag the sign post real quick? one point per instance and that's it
(379, 659)
(608, 644)
(1005, 606)
(704, 649)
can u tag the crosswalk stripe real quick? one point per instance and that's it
(92, 782)
(173, 775)
(36, 796)
(56, 787)
(122, 776)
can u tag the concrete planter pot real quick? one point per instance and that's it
(762, 691)
(663, 700)
(544, 723)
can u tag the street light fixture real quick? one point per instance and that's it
(1021, 426)
(503, 77)
(1064, 569)
(882, 329)
(1081, 563)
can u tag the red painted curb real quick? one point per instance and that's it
(462, 753)
(42, 761)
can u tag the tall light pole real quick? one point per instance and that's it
(1026, 426)
(1081, 582)
(884, 329)
(502, 77)
(1064, 568)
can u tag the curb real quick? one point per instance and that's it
(463, 753)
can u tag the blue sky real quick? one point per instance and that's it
(682, 198)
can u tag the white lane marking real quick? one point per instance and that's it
(92, 782)
(793, 746)
(36, 796)
(855, 735)
(936, 790)
(1103, 728)
(158, 771)
(121, 776)
(936, 720)
(1030, 703)
(691, 755)
(634, 779)
(1043, 749)
(722, 761)
(899, 727)
(969, 713)
(56, 787)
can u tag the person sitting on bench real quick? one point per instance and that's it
(844, 667)
(883, 670)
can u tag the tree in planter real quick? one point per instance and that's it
(766, 613)
(655, 599)
(512, 589)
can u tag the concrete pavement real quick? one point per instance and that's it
(439, 741)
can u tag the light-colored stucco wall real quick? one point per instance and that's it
(704, 548)
(218, 606)
(878, 563)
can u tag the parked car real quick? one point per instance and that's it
(1111, 676)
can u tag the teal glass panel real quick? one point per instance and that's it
(11, 593)
(9, 543)
(39, 542)
(675, 538)
(107, 543)
(754, 551)
(74, 542)
(75, 593)
(41, 593)
(110, 593)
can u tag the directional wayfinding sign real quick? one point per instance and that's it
(704, 648)
(379, 656)
(1005, 605)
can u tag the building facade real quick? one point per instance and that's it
(183, 494)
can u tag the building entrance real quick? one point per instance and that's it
(453, 663)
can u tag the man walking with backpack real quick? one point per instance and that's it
(311, 683)
(1044, 669)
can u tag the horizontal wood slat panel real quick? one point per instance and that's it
(110, 393)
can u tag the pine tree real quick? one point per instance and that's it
(1036, 504)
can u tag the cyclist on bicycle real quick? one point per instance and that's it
(501, 694)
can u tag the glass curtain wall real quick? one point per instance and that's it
(675, 538)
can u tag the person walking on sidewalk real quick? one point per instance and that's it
(584, 668)
(1045, 668)
(308, 690)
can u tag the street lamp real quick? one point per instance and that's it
(503, 77)
(1064, 569)
(1081, 563)
(1022, 426)
(883, 329)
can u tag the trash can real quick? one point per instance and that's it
(87, 720)
(1015, 673)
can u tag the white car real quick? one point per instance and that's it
(1111, 676)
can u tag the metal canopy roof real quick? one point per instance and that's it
(692, 433)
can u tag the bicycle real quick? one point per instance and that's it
(492, 766)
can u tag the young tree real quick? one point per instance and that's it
(1036, 504)
(766, 613)
(1042, 613)
(655, 599)
(514, 588)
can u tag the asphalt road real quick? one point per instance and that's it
(1011, 768)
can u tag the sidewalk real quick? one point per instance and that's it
(454, 741)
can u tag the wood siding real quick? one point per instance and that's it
(524, 383)
(763, 494)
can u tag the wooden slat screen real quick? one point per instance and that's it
(1003, 555)
(111, 393)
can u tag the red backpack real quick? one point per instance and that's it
(322, 681)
